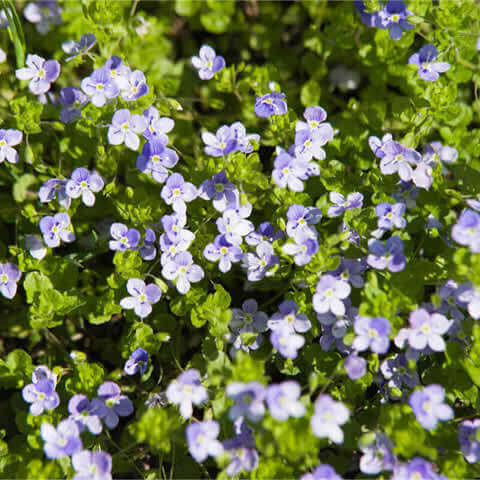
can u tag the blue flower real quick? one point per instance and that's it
(428, 69)
(41, 395)
(202, 440)
(222, 143)
(260, 264)
(73, 48)
(115, 404)
(142, 297)
(186, 391)
(429, 407)
(208, 63)
(137, 362)
(124, 238)
(271, 104)
(223, 252)
(283, 400)
(63, 441)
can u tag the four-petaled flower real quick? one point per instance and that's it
(9, 276)
(187, 390)
(371, 333)
(329, 295)
(202, 440)
(429, 407)
(84, 183)
(428, 69)
(125, 128)
(56, 229)
(142, 297)
(96, 465)
(115, 404)
(283, 400)
(271, 104)
(208, 63)
(182, 269)
(41, 395)
(8, 139)
(327, 418)
(40, 72)
(389, 255)
(137, 362)
(62, 441)
(124, 238)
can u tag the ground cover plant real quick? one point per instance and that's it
(240, 239)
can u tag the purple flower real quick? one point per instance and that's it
(84, 183)
(208, 63)
(155, 159)
(3, 19)
(44, 14)
(187, 390)
(301, 219)
(283, 400)
(138, 361)
(399, 159)
(34, 244)
(173, 226)
(377, 456)
(177, 191)
(371, 333)
(73, 48)
(270, 104)
(233, 226)
(220, 190)
(87, 414)
(435, 151)
(322, 472)
(467, 437)
(136, 86)
(390, 215)
(389, 255)
(247, 320)
(350, 270)
(308, 145)
(467, 230)
(289, 171)
(56, 229)
(40, 72)
(395, 370)
(327, 418)
(220, 144)
(244, 141)
(223, 252)
(315, 118)
(72, 99)
(41, 395)
(428, 69)
(248, 398)
(241, 448)
(148, 251)
(124, 238)
(183, 271)
(427, 329)
(468, 296)
(304, 248)
(394, 18)
(157, 127)
(99, 87)
(353, 200)
(63, 441)
(125, 128)
(171, 247)
(417, 468)
(378, 146)
(260, 265)
(407, 194)
(202, 440)
(55, 187)
(329, 295)
(8, 139)
(288, 317)
(96, 465)
(355, 366)
(117, 72)
(264, 233)
(9, 276)
(142, 296)
(116, 404)
(313, 134)
(428, 406)
(287, 342)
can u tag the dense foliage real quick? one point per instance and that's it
(240, 239)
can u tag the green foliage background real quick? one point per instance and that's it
(70, 300)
